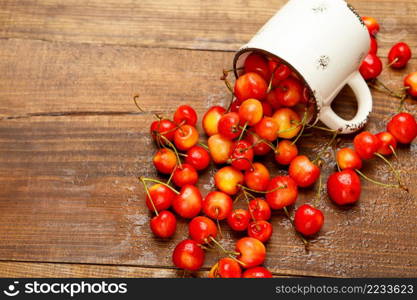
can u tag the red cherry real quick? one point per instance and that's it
(273, 100)
(267, 129)
(229, 125)
(242, 155)
(185, 137)
(371, 24)
(165, 160)
(163, 127)
(188, 255)
(285, 152)
(344, 187)
(374, 46)
(252, 251)
(289, 92)
(185, 114)
(257, 272)
(250, 85)
(366, 144)
(410, 83)
(234, 107)
(239, 219)
(267, 109)
(229, 268)
(306, 95)
(259, 209)
(261, 230)
(184, 174)
(285, 192)
(403, 127)
(164, 224)
(201, 229)
(257, 178)
(162, 197)
(303, 171)
(217, 205)
(259, 147)
(308, 220)
(250, 112)
(257, 63)
(399, 55)
(388, 143)
(371, 67)
(198, 157)
(348, 159)
(279, 71)
(188, 202)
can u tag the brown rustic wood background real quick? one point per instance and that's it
(72, 142)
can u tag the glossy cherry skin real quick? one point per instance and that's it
(259, 147)
(257, 63)
(372, 25)
(410, 82)
(259, 209)
(184, 174)
(388, 143)
(285, 152)
(273, 100)
(201, 229)
(399, 55)
(235, 105)
(371, 67)
(162, 197)
(188, 202)
(348, 159)
(220, 148)
(285, 195)
(228, 179)
(344, 187)
(366, 144)
(185, 137)
(250, 85)
(185, 114)
(280, 72)
(198, 157)
(267, 129)
(164, 224)
(242, 155)
(217, 205)
(239, 219)
(303, 171)
(374, 46)
(250, 112)
(188, 255)
(229, 125)
(165, 161)
(267, 109)
(261, 230)
(308, 220)
(229, 268)
(289, 92)
(164, 127)
(257, 178)
(257, 272)
(252, 251)
(403, 127)
(211, 119)
(287, 120)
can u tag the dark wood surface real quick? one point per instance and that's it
(72, 143)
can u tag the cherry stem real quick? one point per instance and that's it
(170, 177)
(402, 100)
(318, 195)
(329, 144)
(261, 192)
(149, 195)
(160, 182)
(272, 78)
(391, 63)
(393, 151)
(230, 103)
(377, 182)
(203, 145)
(218, 223)
(247, 201)
(261, 140)
(226, 81)
(303, 121)
(303, 239)
(243, 131)
(230, 160)
(171, 145)
(232, 254)
(135, 100)
(396, 173)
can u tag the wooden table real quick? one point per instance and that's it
(72, 143)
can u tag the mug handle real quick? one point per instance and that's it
(364, 99)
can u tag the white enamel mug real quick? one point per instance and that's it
(324, 41)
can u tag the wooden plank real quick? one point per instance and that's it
(191, 24)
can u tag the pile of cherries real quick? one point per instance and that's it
(269, 111)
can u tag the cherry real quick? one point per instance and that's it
(303, 171)
(229, 125)
(252, 252)
(165, 161)
(188, 202)
(280, 72)
(228, 268)
(184, 174)
(202, 229)
(228, 179)
(198, 157)
(285, 152)
(371, 67)
(410, 83)
(164, 224)
(217, 205)
(388, 143)
(267, 109)
(289, 92)
(211, 119)
(250, 112)
(242, 155)
(399, 55)
(261, 230)
(306, 95)
(366, 144)
(257, 178)
(272, 99)
(163, 127)
(185, 137)
(285, 195)
(185, 114)
(308, 220)
(372, 25)
(348, 159)
(289, 123)
(258, 64)
(220, 148)
(188, 255)
(374, 46)
(239, 219)
(344, 187)
(235, 105)
(259, 147)
(162, 197)
(257, 272)
(250, 85)
(267, 129)
(403, 127)
(259, 209)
